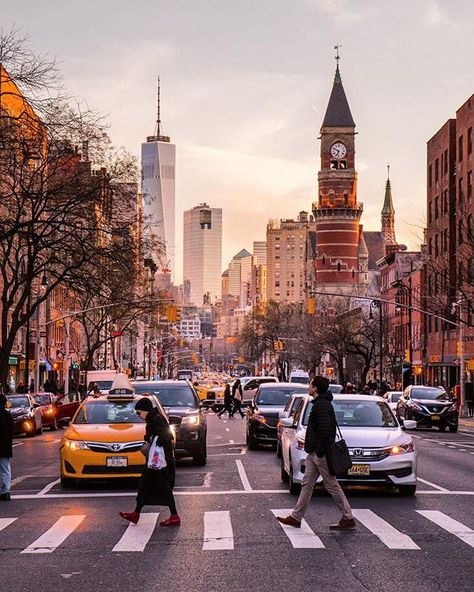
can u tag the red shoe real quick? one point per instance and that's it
(173, 520)
(130, 516)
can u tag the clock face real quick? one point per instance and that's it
(338, 150)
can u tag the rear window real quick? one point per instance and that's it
(300, 379)
(393, 397)
(169, 395)
(104, 385)
(276, 396)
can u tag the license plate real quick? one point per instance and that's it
(117, 461)
(435, 418)
(359, 470)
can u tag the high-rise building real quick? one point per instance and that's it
(202, 253)
(260, 252)
(158, 188)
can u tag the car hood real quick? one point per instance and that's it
(270, 410)
(118, 432)
(17, 411)
(370, 437)
(433, 402)
(180, 411)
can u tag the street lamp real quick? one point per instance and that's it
(378, 304)
(406, 291)
(43, 286)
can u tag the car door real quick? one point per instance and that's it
(66, 407)
(288, 437)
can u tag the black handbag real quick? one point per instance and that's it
(338, 457)
(145, 449)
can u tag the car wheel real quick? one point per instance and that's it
(453, 428)
(442, 428)
(39, 431)
(283, 474)
(31, 434)
(294, 488)
(252, 443)
(407, 490)
(278, 450)
(67, 482)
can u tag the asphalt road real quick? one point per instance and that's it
(74, 540)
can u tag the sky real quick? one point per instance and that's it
(244, 88)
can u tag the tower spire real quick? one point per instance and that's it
(158, 118)
(388, 216)
(338, 112)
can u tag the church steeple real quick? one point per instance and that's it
(338, 113)
(388, 215)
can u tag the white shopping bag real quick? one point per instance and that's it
(156, 456)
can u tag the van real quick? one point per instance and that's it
(103, 379)
(299, 376)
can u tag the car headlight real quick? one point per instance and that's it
(190, 420)
(75, 445)
(49, 411)
(260, 418)
(402, 448)
(453, 407)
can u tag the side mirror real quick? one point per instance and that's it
(287, 422)
(283, 414)
(36, 405)
(409, 424)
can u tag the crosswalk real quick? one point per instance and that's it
(217, 530)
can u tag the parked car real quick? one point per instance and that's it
(26, 415)
(264, 410)
(392, 399)
(250, 385)
(291, 407)
(48, 407)
(185, 411)
(382, 452)
(429, 406)
(214, 398)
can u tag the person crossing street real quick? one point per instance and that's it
(6, 448)
(237, 398)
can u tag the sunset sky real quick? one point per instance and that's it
(245, 84)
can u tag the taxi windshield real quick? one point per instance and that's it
(43, 399)
(101, 412)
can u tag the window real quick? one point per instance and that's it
(277, 284)
(469, 185)
(430, 247)
(338, 266)
(469, 140)
(436, 170)
(436, 208)
(436, 245)
(460, 233)
(460, 146)
(446, 162)
(430, 176)
(277, 238)
(461, 190)
(324, 260)
(445, 201)
(445, 240)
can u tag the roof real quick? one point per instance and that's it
(388, 203)
(338, 113)
(363, 251)
(242, 254)
(225, 273)
(376, 247)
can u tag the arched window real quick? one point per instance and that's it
(338, 266)
(324, 260)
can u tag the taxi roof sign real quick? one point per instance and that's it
(121, 385)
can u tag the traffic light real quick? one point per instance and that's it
(57, 365)
(195, 359)
(279, 345)
(407, 356)
(311, 305)
(171, 313)
(458, 349)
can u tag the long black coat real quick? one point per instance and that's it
(155, 488)
(6, 433)
(321, 431)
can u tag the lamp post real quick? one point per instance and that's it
(462, 364)
(377, 304)
(406, 291)
(44, 285)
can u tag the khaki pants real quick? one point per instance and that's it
(314, 467)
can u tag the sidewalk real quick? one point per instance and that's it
(466, 422)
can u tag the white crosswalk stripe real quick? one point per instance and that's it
(56, 535)
(300, 538)
(4, 522)
(390, 536)
(218, 532)
(453, 526)
(136, 537)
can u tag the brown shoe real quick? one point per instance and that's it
(343, 524)
(289, 521)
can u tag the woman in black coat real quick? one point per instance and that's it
(227, 402)
(156, 486)
(6, 448)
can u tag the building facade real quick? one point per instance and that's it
(202, 253)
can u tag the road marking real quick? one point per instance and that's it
(57, 534)
(300, 538)
(243, 476)
(4, 522)
(471, 435)
(218, 533)
(227, 429)
(17, 444)
(453, 526)
(48, 487)
(389, 535)
(438, 487)
(136, 537)
(462, 450)
(231, 442)
(19, 479)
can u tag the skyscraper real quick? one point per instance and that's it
(202, 253)
(158, 188)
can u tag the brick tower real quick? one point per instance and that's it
(388, 219)
(341, 253)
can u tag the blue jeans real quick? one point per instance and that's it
(5, 475)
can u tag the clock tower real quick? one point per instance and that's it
(341, 253)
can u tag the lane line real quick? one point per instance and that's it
(452, 526)
(17, 480)
(227, 429)
(48, 487)
(136, 537)
(231, 442)
(4, 522)
(218, 533)
(390, 536)
(438, 487)
(17, 444)
(300, 538)
(56, 535)
(243, 476)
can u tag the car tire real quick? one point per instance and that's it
(200, 459)
(442, 428)
(39, 431)
(293, 488)
(278, 450)
(67, 482)
(283, 474)
(407, 490)
(54, 426)
(31, 434)
(453, 429)
(252, 443)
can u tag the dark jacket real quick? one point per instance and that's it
(6, 433)
(156, 425)
(227, 396)
(321, 431)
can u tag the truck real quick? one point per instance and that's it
(103, 379)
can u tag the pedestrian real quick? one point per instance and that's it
(320, 434)
(47, 386)
(237, 398)
(21, 389)
(156, 486)
(6, 448)
(32, 386)
(227, 402)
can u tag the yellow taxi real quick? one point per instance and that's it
(104, 438)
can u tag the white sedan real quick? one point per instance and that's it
(392, 397)
(382, 452)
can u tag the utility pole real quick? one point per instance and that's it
(67, 328)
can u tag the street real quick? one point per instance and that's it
(55, 539)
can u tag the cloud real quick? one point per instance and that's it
(343, 11)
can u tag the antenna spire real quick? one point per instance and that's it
(338, 57)
(158, 120)
(388, 172)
